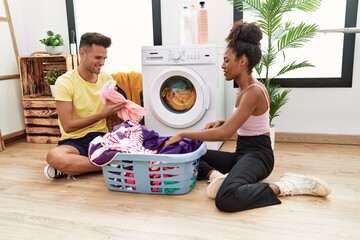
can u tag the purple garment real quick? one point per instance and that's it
(152, 140)
(100, 156)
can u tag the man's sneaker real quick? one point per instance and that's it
(296, 184)
(52, 173)
(216, 179)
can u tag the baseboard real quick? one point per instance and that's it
(14, 136)
(315, 138)
(318, 138)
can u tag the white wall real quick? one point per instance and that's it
(33, 18)
(317, 110)
(128, 24)
(11, 113)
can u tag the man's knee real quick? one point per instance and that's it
(56, 158)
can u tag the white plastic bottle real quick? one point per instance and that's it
(185, 27)
(203, 24)
(194, 23)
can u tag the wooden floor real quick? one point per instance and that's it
(32, 207)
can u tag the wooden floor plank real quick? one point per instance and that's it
(32, 207)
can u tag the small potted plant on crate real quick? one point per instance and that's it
(54, 43)
(51, 78)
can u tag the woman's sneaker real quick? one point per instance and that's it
(297, 184)
(216, 179)
(52, 173)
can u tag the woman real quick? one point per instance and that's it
(235, 177)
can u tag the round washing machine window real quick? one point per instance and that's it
(179, 97)
(178, 94)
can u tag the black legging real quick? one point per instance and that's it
(252, 162)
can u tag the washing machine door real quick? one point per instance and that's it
(179, 97)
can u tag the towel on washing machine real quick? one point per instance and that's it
(131, 84)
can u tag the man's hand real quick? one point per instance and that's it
(111, 109)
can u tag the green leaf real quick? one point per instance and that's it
(297, 36)
(277, 100)
(307, 5)
(52, 39)
(294, 66)
(52, 76)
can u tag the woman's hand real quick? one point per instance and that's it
(173, 139)
(214, 124)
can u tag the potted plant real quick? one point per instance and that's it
(51, 78)
(54, 43)
(279, 35)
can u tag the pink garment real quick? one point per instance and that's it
(131, 110)
(256, 125)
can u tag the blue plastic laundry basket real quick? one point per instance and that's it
(153, 173)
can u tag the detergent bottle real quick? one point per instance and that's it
(185, 27)
(194, 23)
(203, 24)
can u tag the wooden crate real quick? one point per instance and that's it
(33, 70)
(41, 119)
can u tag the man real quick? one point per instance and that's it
(82, 114)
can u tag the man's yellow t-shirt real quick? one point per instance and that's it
(86, 100)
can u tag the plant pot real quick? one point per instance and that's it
(272, 135)
(54, 50)
(52, 89)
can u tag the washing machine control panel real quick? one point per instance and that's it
(179, 55)
(182, 56)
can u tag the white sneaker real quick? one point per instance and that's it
(52, 173)
(216, 179)
(297, 184)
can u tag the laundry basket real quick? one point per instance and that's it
(153, 173)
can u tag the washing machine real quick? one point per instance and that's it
(183, 87)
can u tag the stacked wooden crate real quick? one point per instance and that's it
(41, 120)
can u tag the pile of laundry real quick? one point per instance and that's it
(131, 137)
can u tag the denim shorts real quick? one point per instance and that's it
(81, 144)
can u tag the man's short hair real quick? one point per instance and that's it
(87, 39)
